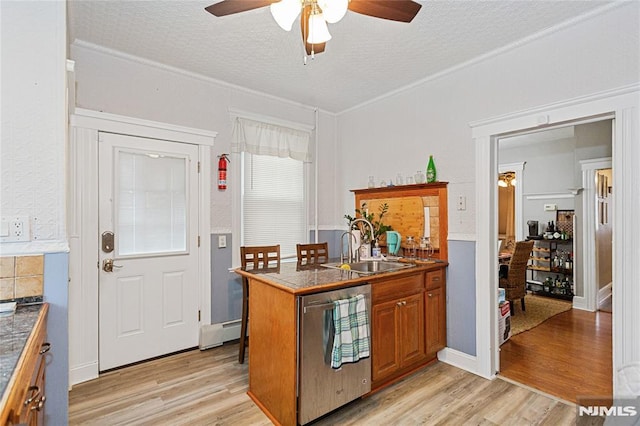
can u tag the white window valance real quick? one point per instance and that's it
(261, 138)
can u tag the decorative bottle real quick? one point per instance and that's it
(411, 248)
(431, 170)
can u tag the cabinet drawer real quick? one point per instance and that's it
(398, 287)
(435, 278)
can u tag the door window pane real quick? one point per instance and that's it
(150, 204)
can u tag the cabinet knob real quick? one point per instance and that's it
(430, 294)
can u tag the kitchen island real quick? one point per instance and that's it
(407, 322)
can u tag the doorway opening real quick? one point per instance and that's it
(552, 185)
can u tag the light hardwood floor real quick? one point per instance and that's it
(209, 388)
(569, 356)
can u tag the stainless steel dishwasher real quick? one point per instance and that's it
(322, 388)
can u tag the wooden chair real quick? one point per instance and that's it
(514, 280)
(252, 258)
(312, 253)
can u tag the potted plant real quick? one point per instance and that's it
(379, 228)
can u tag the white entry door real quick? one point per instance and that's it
(148, 219)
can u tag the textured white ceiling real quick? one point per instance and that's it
(365, 59)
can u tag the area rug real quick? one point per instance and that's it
(539, 309)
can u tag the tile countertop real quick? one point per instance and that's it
(15, 329)
(314, 278)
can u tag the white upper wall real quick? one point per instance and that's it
(114, 83)
(398, 133)
(392, 135)
(32, 164)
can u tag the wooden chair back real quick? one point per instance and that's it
(312, 253)
(260, 257)
(515, 281)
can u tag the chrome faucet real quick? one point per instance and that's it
(349, 246)
(360, 219)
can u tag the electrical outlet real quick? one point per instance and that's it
(14, 229)
(222, 241)
(550, 207)
(462, 202)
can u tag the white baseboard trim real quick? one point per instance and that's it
(459, 359)
(580, 302)
(83, 373)
(604, 293)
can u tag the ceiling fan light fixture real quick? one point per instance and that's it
(507, 179)
(318, 30)
(285, 12)
(333, 10)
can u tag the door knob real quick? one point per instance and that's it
(107, 265)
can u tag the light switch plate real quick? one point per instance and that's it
(222, 241)
(550, 207)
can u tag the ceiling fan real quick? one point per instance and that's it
(317, 13)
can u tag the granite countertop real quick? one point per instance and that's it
(313, 278)
(15, 329)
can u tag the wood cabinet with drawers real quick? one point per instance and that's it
(408, 324)
(397, 326)
(25, 393)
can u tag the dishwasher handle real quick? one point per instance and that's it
(323, 306)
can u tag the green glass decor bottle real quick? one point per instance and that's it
(431, 170)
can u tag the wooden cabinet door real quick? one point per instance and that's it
(436, 332)
(398, 336)
(412, 337)
(385, 357)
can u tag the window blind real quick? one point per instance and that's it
(273, 210)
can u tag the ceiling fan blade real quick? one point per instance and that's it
(229, 7)
(393, 10)
(304, 27)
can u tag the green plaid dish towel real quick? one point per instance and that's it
(351, 323)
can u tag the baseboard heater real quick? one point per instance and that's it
(212, 335)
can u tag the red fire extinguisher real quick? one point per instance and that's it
(222, 171)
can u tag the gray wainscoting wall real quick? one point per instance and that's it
(226, 286)
(461, 297)
(56, 291)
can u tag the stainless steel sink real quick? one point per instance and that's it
(369, 267)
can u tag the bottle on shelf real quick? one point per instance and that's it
(431, 170)
(371, 183)
(411, 248)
